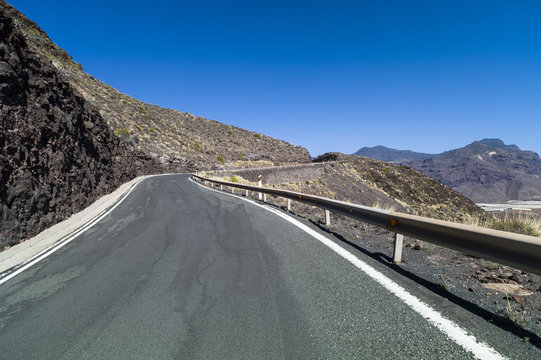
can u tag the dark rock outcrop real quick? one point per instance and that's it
(57, 154)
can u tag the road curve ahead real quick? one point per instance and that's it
(178, 271)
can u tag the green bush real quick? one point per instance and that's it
(240, 157)
(197, 147)
(259, 136)
(124, 134)
(234, 179)
(517, 226)
(221, 159)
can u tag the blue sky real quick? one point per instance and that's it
(330, 76)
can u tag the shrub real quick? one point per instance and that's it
(197, 147)
(234, 179)
(259, 136)
(520, 225)
(240, 157)
(221, 159)
(122, 133)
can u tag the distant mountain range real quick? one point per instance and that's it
(485, 171)
(383, 153)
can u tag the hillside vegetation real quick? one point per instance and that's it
(180, 140)
(368, 182)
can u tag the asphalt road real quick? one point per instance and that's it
(181, 272)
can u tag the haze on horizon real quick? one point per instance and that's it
(424, 76)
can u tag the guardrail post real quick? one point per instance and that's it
(397, 254)
(260, 183)
(246, 193)
(221, 187)
(264, 197)
(288, 204)
(232, 190)
(327, 218)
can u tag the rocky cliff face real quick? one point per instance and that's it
(181, 141)
(57, 153)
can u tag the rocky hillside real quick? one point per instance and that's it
(57, 154)
(487, 171)
(369, 182)
(180, 140)
(383, 153)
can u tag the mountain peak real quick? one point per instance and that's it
(498, 143)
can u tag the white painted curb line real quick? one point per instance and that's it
(29, 252)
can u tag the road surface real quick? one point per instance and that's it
(178, 271)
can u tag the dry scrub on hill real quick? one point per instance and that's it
(384, 186)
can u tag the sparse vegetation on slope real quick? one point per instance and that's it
(371, 183)
(159, 128)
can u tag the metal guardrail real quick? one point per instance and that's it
(520, 251)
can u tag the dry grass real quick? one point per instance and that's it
(249, 164)
(516, 222)
(384, 206)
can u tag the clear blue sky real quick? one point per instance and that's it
(330, 76)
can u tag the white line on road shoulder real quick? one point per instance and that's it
(479, 349)
(43, 254)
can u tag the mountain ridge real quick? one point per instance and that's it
(487, 171)
(383, 153)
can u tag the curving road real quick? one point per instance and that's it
(181, 272)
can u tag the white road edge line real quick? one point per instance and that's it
(479, 349)
(55, 247)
